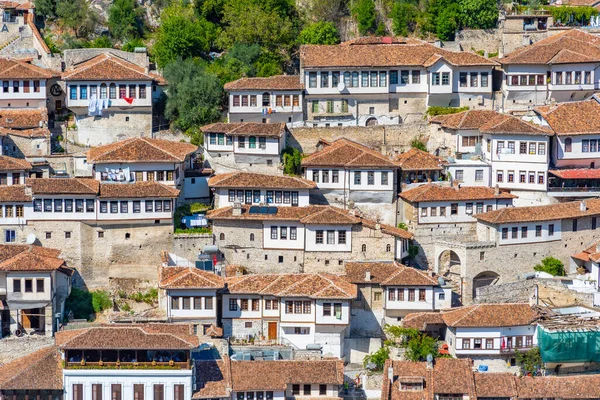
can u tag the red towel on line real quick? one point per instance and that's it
(128, 99)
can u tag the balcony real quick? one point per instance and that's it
(512, 349)
(171, 365)
(127, 359)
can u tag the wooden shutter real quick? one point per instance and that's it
(159, 392)
(78, 391)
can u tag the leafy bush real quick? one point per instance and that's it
(319, 33)
(148, 297)
(193, 230)
(292, 159)
(79, 303)
(551, 265)
(438, 110)
(578, 14)
(402, 225)
(417, 344)
(529, 361)
(378, 358)
(364, 12)
(418, 143)
(101, 300)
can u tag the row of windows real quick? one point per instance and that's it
(65, 205)
(188, 303)
(107, 92)
(445, 78)
(283, 233)
(16, 178)
(123, 206)
(251, 100)
(138, 392)
(459, 175)
(515, 232)
(60, 205)
(244, 304)
(350, 79)
(433, 211)
(510, 342)
(341, 237)
(272, 197)
(526, 80)
(250, 395)
(306, 390)
(139, 176)
(324, 177)
(17, 85)
(28, 286)
(524, 147)
(572, 78)
(472, 78)
(524, 177)
(223, 140)
(398, 294)
(329, 106)
(10, 211)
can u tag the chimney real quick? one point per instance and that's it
(582, 206)
(237, 209)
(368, 276)
(390, 373)
(497, 190)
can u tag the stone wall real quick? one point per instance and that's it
(477, 39)
(189, 245)
(21, 147)
(114, 125)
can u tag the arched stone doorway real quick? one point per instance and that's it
(372, 122)
(449, 264)
(482, 279)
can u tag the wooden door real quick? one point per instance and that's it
(272, 330)
(25, 320)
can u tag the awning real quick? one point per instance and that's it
(26, 305)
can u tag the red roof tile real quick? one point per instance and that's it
(419, 160)
(137, 190)
(435, 192)
(242, 179)
(13, 164)
(408, 276)
(64, 186)
(347, 153)
(277, 82)
(40, 370)
(580, 173)
(141, 150)
(14, 69)
(14, 193)
(107, 66)
(188, 278)
(573, 118)
(421, 320)
(541, 213)
(488, 121)
(246, 129)
(490, 315)
(23, 118)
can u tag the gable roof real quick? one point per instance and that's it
(141, 150)
(436, 192)
(13, 164)
(488, 121)
(495, 384)
(541, 213)
(16, 257)
(241, 179)
(573, 118)
(420, 320)
(84, 186)
(355, 271)
(132, 337)
(16, 193)
(23, 118)
(188, 278)
(276, 82)
(347, 153)
(213, 379)
(314, 286)
(490, 315)
(137, 190)
(382, 52)
(571, 386)
(419, 160)
(40, 370)
(571, 46)
(408, 276)
(246, 129)
(15, 69)
(107, 66)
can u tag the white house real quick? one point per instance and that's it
(190, 294)
(23, 84)
(370, 81)
(260, 189)
(111, 98)
(244, 145)
(274, 99)
(300, 309)
(561, 67)
(470, 172)
(34, 284)
(436, 204)
(128, 361)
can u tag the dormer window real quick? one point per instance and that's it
(411, 383)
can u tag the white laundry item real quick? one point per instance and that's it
(92, 106)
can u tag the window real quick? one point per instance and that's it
(394, 77)
(79, 205)
(473, 76)
(578, 77)
(233, 305)
(283, 233)
(484, 79)
(594, 222)
(306, 390)
(479, 175)
(384, 178)
(47, 205)
(325, 176)
(459, 175)
(477, 343)
(364, 248)
(538, 231)
(19, 211)
(78, 391)
(341, 237)
(344, 105)
(72, 93)
(568, 77)
(159, 392)
(575, 225)
(542, 149)
(421, 294)
(445, 78)
(515, 233)
(82, 92)
(330, 237)
(454, 209)
(322, 390)
(466, 344)
(479, 208)
(551, 230)
(319, 237)
(416, 77)
(521, 176)
(312, 80)
(9, 236)
(355, 79)
(295, 390)
(504, 233)
(511, 147)
(442, 211)
(511, 176)
(523, 148)
(469, 208)
(411, 294)
(435, 78)
(357, 178)
(48, 235)
(524, 232)
(382, 79)
(499, 147)
(404, 77)
(115, 390)
(244, 304)
(293, 233)
(558, 78)
(370, 178)
(588, 78)
(96, 391)
(532, 147)
(462, 79)
(273, 233)
(252, 142)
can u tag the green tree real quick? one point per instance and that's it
(327, 10)
(268, 64)
(447, 22)
(181, 34)
(551, 265)
(211, 10)
(125, 19)
(292, 159)
(529, 361)
(131, 44)
(364, 12)
(377, 358)
(45, 8)
(101, 300)
(404, 18)
(72, 13)
(101, 42)
(479, 14)
(417, 344)
(194, 96)
(239, 61)
(321, 32)
(418, 143)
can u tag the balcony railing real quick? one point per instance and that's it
(574, 189)
(511, 348)
(176, 365)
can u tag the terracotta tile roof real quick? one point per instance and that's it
(64, 186)
(137, 190)
(23, 118)
(571, 46)
(419, 160)
(435, 192)
(578, 173)
(490, 315)
(387, 229)
(107, 66)
(141, 150)
(132, 337)
(541, 213)
(573, 118)
(495, 384)
(213, 379)
(408, 276)
(453, 376)
(32, 261)
(392, 54)
(590, 253)
(40, 370)
(8, 251)
(30, 133)
(314, 286)
(276, 375)
(14, 193)
(422, 319)
(246, 129)
(252, 180)
(471, 119)
(188, 278)
(347, 153)
(277, 82)
(571, 387)
(355, 271)
(13, 164)
(488, 121)
(214, 331)
(14, 69)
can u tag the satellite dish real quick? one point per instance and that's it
(441, 281)
(341, 86)
(429, 358)
(31, 238)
